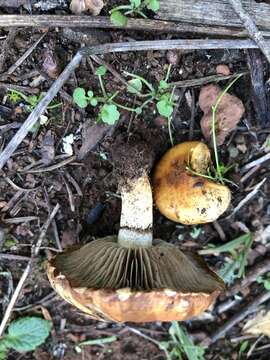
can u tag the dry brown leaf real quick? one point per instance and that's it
(260, 325)
(228, 114)
(93, 6)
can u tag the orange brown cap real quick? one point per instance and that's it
(181, 194)
(114, 283)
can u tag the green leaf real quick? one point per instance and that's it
(27, 333)
(93, 102)
(165, 108)
(136, 86)
(90, 94)
(153, 5)
(101, 70)
(109, 114)
(118, 19)
(163, 85)
(135, 3)
(79, 97)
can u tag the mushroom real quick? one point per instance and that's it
(181, 194)
(131, 277)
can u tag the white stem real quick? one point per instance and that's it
(137, 214)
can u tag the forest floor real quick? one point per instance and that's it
(52, 166)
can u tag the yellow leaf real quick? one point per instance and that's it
(260, 324)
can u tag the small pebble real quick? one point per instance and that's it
(172, 57)
(223, 69)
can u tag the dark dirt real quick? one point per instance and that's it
(87, 189)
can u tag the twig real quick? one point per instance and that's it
(248, 197)
(251, 27)
(52, 167)
(24, 56)
(27, 270)
(259, 99)
(14, 257)
(103, 22)
(21, 219)
(253, 306)
(26, 89)
(107, 48)
(204, 80)
(256, 162)
(251, 276)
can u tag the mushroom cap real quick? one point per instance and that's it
(182, 196)
(124, 305)
(191, 286)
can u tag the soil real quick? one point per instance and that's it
(87, 190)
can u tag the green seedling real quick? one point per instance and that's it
(182, 346)
(95, 342)
(243, 347)
(119, 14)
(264, 280)
(31, 100)
(24, 334)
(238, 250)
(108, 107)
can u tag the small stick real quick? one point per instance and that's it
(256, 162)
(104, 22)
(253, 306)
(24, 56)
(14, 257)
(27, 270)
(251, 27)
(251, 276)
(248, 197)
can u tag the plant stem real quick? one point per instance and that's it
(136, 215)
(102, 87)
(214, 139)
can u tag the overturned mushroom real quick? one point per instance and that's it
(181, 194)
(130, 277)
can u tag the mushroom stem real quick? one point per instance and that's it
(137, 214)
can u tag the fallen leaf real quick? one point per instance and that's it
(50, 63)
(228, 114)
(93, 6)
(47, 148)
(260, 324)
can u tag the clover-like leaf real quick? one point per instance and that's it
(118, 19)
(79, 97)
(93, 101)
(90, 94)
(101, 70)
(109, 114)
(135, 86)
(164, 106)
(163, 85)
(153, 5)
(135, 3)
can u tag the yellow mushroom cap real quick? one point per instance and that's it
(182, 196)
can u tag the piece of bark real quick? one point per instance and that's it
(13, 3)
(259, 99)
(91, 136)
(212, 12)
